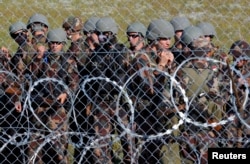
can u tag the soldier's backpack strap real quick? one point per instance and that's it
(196, 81)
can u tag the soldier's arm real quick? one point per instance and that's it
(14, 91)
(166, 58)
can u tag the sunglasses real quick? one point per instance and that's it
(19, 34)
(57, 43)
(103, 33)
(133, 35)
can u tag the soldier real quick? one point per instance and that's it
(208, 30)
(11, 92)
(159, 34)
(78, 52)
(109, 60)
(147, 89)
(179, 23)
(188, 37)
(89, 31)
(12, 98)
(18, 63)
(239, 51)
(10, 117)
(50, 102)
(136, 33)
(202, 88)
(38, 25)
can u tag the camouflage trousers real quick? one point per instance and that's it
(106, 125)
(48, 142)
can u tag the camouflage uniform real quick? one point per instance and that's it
(89, 28)
(50, 112)
(38, 26)
(104, 95)
(203, 89)
(146, 96)
(10, 117)
(148, 90)
(20, 60)
(236, 129)
(108, 57)
(11, 93)
(80, 120)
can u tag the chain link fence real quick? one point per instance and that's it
(72, 93)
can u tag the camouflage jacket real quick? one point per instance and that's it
(59, 67)
(108, 62)
(22, 58)
(9, 84)
(78, 53)
(202, 87)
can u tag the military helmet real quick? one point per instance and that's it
(16, 27)
(137, 27)
(207, 28)
(106, 24)
(57, 35)
(159, 28)
(73, 23)
(240, 48)
(190, 34)
(89, 25)
(38, 18)
(180, 23)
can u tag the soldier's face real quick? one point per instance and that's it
(164, 43)
(20, 36)
(55, 46)
(134, 39)
(178, 34)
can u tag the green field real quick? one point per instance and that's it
(230, 17)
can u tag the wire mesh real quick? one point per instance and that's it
(98, 99)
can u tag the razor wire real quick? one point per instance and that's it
(94, 142)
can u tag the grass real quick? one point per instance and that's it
(230, 18)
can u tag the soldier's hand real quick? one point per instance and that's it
(18, 106)
(62, 97)
(2, 77)
(166, 58)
